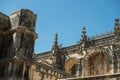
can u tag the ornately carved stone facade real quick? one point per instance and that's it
(90, 56)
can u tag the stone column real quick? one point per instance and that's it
(79, 67)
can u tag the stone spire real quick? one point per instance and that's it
(56, 53)
(116, 27)
(84, 36)
(55, 44)
(116, 22)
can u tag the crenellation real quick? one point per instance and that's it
(102, 35)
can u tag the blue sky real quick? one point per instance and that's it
(66, 17)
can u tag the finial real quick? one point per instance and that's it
(55, 45)
(56, 38)
(84, 36)
(116, 22)
(84, 30)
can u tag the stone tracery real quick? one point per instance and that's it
(97, 63)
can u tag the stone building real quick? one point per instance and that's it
(91, 58)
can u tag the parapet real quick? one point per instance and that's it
(24, 10)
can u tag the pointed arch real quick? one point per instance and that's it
(97, 63)
(70, 64)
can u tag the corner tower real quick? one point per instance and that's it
(23, 39)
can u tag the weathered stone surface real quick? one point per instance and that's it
(11, 69)
(4, 38)
(17, 49)
(91, 56)
(23, 17)
(4, 22)
(23, 39)
(23, 44)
